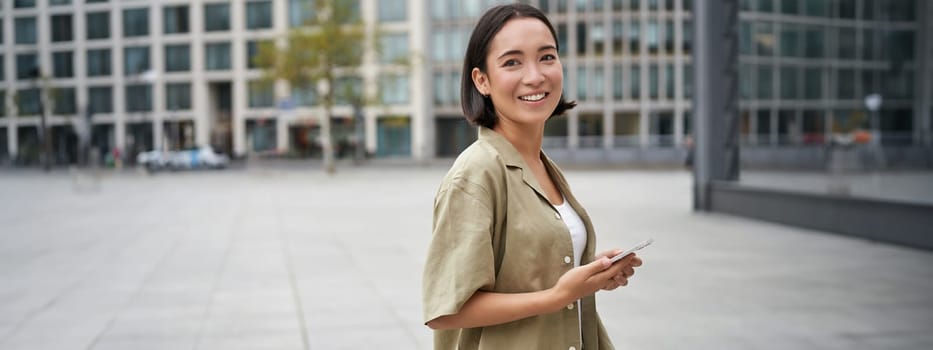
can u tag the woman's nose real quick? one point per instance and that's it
(533, 75)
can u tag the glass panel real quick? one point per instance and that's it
(98, 25)
(138, 98)
(599, 80)
(814, 41)
(304, 95)
(393, 10)
(765, 82)
(175, 19)
(98, 62)
(177, 58)
(61, 28)
(394, 89)
(65, 102)
(100, 99)
(790, 41)
(27, 102)
(581, 82)
(846, 44)
(789, 83)
(27, 66)
(653, 84)
(845, 83)
(62, 64)
(300, 12)
(260, 94)
(135, 60)
(178, 96)
(217, 56)
(259, 15)
(136, 22)
(618, 82)
(394, 48)
(634, 80)
(764, 38)
(216, 17)
(813, 83)
(25, 29)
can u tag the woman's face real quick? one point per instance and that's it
(523, 74)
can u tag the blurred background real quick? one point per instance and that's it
(830, 104)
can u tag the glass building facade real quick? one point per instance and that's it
(147, 69)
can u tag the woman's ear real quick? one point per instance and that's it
(480, 81)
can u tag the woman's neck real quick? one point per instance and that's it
(526, 139)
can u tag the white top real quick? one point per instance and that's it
(578, 237)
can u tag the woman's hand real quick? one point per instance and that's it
(585, 280)
(628, 264)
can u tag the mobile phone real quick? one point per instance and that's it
(637, 247)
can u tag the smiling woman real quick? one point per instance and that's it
(512, 260)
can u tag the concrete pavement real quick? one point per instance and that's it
(293, 259)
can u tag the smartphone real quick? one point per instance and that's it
(630, 251)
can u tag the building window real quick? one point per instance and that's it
(634, 39)
(669, 81)
(260, 94)
(393, 137)
(813, 42)
(393, 10)
(63, 64)
(394, 48)
(582, 80)
(61, 28)
(59, 2)
(618, 82)
(845, 83)
(27, 101)
(764, 38)
(135, 60)
(688, 81)
(139, 98)
(653, 36)
(259, 15)
(618, 37)
(790, 41)
(669, 36)
(598, 82)
(813, 83)
(304, 95)
(440, 89)
(98, 25)
(135, 22)
(745, 81)
(252, 50)
(27, 66)
(394, 89)
(217, 56)
(765, 82)
(65, 102)
(100, 99)
(175, 19)
(789, 83)
(98, 62)
(653, 82)
(348, 89)
(216, 17)
(178, 96)
(634, 80)
(177, 58)
(300, 12)
(25, 29)
(22, 4)
(846, 44)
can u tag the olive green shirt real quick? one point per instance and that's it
(494, 230)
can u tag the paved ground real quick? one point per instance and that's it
(292, 259)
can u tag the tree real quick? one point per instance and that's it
(329, 46)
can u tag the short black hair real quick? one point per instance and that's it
(477, 108)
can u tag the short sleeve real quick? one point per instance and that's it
(460, 257)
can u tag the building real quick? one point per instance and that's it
(174, 74)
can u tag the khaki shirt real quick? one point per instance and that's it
(494, 230)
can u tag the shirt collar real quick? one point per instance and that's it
(508, 152)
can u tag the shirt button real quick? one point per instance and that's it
(572, 348)
(567, 260)
(570, 306)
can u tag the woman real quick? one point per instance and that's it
(511, 264)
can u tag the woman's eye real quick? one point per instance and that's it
(510, 63)
(548, 57)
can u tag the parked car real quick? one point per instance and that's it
(195, 158)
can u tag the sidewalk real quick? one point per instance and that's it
(293, 259)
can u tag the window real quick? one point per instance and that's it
(217, 56)
(347, 88)
(618, 37)
(2, 114)
(617, 82)
(845, 84)
(814, 42)
(764, 38)
(138, 98)
(2, 75)
(393, 10)
(790, 41)
(61, 28)
(175, 19)
(789, 7)
(598, 37)
(98, 62)
(688, 81)
(846, 44)
(216, 17)
(633, 37)
(581, 82)
(599, 80)
(634, 80)
(440, 89)
(394, 47)
(653, 83)
(25, 29)
(59, 2)
(177, 58)
(669, 81)
(135, 22)
(745, 81)
(27, 66)
(304, 95)
(259, 15)
(252, 49)
(688, 35)
(63, 64)
(813, 83)
(100, 99)
(21, 4)
(98, 25)
(653, 36)
(178, 96)
(789, 83)
(27, 101)
(669, 36)
(135, 60)
(394, 89)
(765, 82)
(260, 94)
(300, 12)
(64, 101)
(745, 38)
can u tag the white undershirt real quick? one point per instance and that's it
(578, 237)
